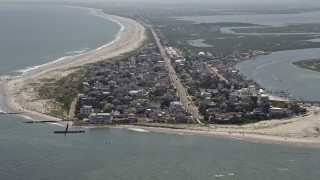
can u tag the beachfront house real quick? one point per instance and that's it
(280, 112)
(175, 106)
(86, 110)
(99, 117)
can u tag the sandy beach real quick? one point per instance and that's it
(19, 92)
(300, 130)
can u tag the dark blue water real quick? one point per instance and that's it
(32, 151)
(32, 35)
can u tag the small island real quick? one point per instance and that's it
(311, 64)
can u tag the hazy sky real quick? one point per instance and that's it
(173, 1)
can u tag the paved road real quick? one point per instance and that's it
(187, 104)
(214, 71)
(73, 108)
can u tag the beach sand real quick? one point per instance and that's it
(19, 92)
(300, 130)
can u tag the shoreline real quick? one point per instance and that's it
(18, 92)
(95, 12)
(250, 137)
(276, 83)
(273, 131)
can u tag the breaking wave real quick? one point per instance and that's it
(57, 124)
(25, 70)
(138, 130)
(77, 52)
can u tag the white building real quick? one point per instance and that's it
(131, 117)
(277, 111)
(161, 63)
(201, 54)
(252, 89)
(175, 106)
(86, 110)
(136, 92)
(100, 118)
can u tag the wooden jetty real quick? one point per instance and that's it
(41, 121)
(64, 132)
(11, 113)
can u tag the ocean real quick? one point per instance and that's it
(32, 151)
(33, 35)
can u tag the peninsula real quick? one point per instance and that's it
(311, 64)
(160, 89)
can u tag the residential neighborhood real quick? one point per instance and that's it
(144, 88)
(126, 90)
(221, 93)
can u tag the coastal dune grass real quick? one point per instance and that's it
(62, 92)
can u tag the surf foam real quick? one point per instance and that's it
(77, 52)
(138, 130)
(5, 77)
(31, 68)
(57, 124)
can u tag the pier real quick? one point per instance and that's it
(312, 103)
(65, 132)
(11, 113)
(41, 121)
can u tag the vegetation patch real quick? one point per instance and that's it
(311, 64)
(179, 33)
(295, 28)
(279, 104)
(62, 91)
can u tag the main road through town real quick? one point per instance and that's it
(186, 102)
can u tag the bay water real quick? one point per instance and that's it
(258, 19)
(277, 72)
